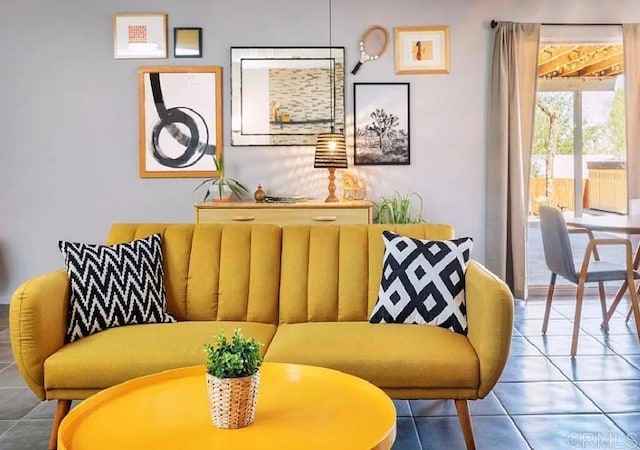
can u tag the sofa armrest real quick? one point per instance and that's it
(37, 323)
(490, 321)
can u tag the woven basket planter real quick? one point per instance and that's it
(233, 400)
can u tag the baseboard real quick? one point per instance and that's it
(565, 290)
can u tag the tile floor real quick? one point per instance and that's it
(544, 400)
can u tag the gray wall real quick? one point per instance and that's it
(69, 125)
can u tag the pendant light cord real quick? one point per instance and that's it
(332, 73)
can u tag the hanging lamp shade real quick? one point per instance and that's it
(331, 151)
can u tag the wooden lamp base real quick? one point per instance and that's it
(332, 186)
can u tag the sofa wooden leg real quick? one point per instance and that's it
(465, 423)
(61, 411)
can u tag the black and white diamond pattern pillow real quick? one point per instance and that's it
(114, 285)
(423, 282)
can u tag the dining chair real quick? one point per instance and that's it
(558, 256)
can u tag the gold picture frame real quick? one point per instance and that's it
(421, 50)
(139, 36)
(180, 121)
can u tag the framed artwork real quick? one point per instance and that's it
(139, 36)
(187, 42)
(180, 121)
(381, 123)
(421, 49)
(284, 95)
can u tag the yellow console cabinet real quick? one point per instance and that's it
(305, 213)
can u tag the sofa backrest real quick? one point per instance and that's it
(332, 273)
(216, 272)
(270, 274)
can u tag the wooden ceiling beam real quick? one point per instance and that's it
(604, 66)
(568, 61)
(572, 56)
(558, 53)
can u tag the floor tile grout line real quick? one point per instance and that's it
(2, 436)
(506, 412)
(415, 428)
(574, 382)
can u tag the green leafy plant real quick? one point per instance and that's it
(239, 357)
(217, 184)
(399, 208)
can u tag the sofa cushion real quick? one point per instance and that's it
(423, 282)
(119, 354)
(216, 271)
(114, 285)
(389, 356)
(332, 272)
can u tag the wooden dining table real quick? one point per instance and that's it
(608, 223)
(627, 225)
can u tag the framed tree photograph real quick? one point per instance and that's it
(180, 121)
(137, 36)
(381, 124)
(421, 50)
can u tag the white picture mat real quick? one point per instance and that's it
(156, 46)
(196, 91)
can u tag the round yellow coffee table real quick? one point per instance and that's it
(299, 407)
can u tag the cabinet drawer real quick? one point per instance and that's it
(284, 216)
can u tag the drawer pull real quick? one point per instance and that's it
(324, 218)
(243, 218)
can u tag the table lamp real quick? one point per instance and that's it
(331, 153)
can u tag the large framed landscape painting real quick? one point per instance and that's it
(381, 124)
(180, 120)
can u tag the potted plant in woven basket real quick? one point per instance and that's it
(233, 376)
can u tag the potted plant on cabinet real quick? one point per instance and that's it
(222, 187)
(399, 208)
(233, 377)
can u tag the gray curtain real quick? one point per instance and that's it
(512, 103)
(631, 44)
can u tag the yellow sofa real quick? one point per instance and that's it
(305, 292)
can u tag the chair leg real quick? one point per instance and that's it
(629, 314)
(635, 307)
(62, 410)
(465, 423)
(576, 320)
(547, 308)
(603, 306)
(617, 299)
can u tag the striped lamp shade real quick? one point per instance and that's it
(331, 151)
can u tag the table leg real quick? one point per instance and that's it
(636, 310)
(620, 293)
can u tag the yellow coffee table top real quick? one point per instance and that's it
(299, 407)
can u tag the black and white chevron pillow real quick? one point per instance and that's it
(423, 282)
(114, 285)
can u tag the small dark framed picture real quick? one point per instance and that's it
(187, 42)
(381, 125)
